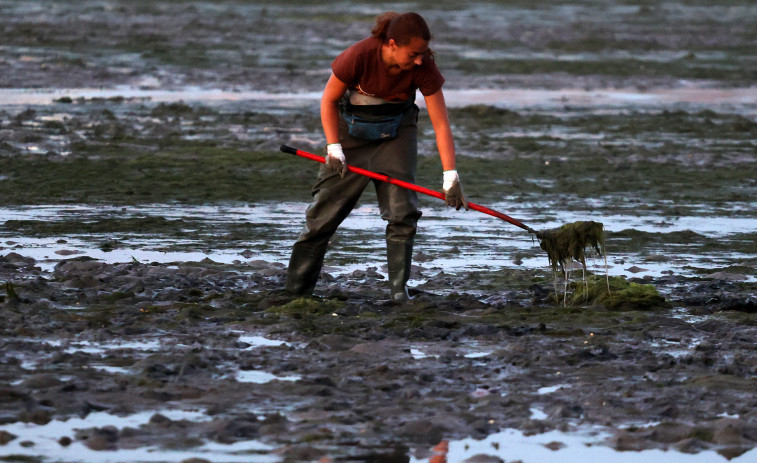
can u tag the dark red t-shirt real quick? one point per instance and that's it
(360, 67)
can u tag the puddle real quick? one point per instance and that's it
(574, 447)
(419, 354)
(477, 355)
(45, 439)
(538, 414)
(113, 370)
(676, 349)
(261, 341)
(89, 347)
(551, 389)
(261, 377)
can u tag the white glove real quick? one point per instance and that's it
(453, 190)
(335, 159)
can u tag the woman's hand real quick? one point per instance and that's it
(453, 190)
(335, 159)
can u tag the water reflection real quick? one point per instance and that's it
(481, 242)
(577, 447)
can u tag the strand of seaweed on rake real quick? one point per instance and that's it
(570, 242)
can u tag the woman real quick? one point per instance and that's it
(370, 118)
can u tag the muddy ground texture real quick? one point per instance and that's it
(658, 378)
(679, 374)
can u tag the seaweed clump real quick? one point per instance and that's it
(571, 242)
(617, 294)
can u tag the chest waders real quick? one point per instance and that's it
(335, 197)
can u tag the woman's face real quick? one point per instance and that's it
(410, 55)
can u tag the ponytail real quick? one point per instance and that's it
(400, 27)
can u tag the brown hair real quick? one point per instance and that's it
(400, 27)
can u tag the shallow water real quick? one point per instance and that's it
(448, 239)
(692, 95)
(45, 438)
(577, 447)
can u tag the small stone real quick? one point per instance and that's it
(554, 445)
(625, 440)
(6, 437)
(483, 458)
(41, 381)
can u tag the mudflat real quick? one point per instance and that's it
(146, 216)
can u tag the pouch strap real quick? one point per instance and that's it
(387, 109)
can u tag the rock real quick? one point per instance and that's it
(42, 381)
(728, 432)
(274, 425)
(554, 445)
(624, 440)
(635, 269)
(690, 445)
(37, 416)
(80, 266)
(18, 259)
(668, 433)
(424, 431)
(104, 438)
(566, 411)
(6, 437)
(68, 252)
(729, 453)
(301, 452)
(160, 420)
(334, 342)
(727, 276)
(13, 395)
(230, 430)
(483, 458)
(382, 349)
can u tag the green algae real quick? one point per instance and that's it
(306, 307)
(571, 241)
(10, 292)
(192, 154)
(617, 293)
(125, 175)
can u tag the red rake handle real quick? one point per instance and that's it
(406, 185)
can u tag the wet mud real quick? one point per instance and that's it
(204, 358)
(357, 376)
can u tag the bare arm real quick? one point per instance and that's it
(333, 92)
(437, 112)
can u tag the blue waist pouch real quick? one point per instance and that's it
(374, 122)
(383, 128)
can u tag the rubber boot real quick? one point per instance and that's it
(304, 268)
(399, 257)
